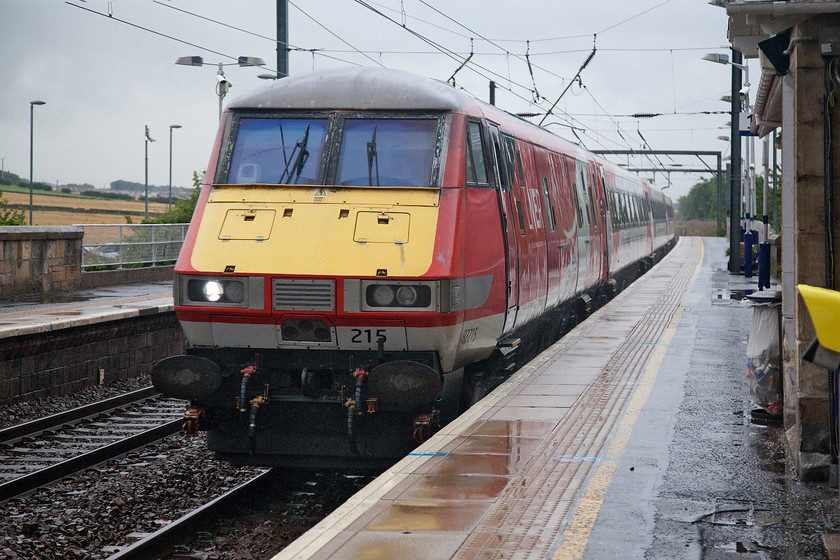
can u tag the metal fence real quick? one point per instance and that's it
(119, 246)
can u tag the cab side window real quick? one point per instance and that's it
(476, 164)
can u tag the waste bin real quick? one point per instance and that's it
(764, 360)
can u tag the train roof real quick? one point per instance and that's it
(357, 88)
(385, 89)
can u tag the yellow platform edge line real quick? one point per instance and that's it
(577, 532)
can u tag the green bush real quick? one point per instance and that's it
(10, 216)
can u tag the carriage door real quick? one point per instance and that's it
(604, 210)
(502, 147)
(583, 239)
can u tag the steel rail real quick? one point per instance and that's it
(73, 415)
(162, 542)
(57, 471)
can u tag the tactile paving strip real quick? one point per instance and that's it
(530, 514)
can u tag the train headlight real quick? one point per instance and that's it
(382, 296)
(407, 296)
(216, 291)
(242, 292)
(234, 291)
(213, 291)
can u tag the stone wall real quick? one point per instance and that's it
(39, 260)
(807, 403)
(62, 362)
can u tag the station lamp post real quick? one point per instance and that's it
(148, 139)
(222, 83)
(735, 182)
(31, 148)
(171, 127)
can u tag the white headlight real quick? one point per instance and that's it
(213, 290)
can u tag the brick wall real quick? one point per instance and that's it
(39, 260)
(62, 362)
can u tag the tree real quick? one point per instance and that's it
(700, 203)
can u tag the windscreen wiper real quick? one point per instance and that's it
(297, 161)
(373, 158)
(283, 144)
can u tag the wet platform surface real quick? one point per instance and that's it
(628, 438)
(39, 314)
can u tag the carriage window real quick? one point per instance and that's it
(591, 208)
(549, 208)
(585, 188)
(476, 168)
(577, 206)
(386, 152)
(277, 151)
(625, 216)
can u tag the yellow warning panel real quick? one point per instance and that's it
(247, 224)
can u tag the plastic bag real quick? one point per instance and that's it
(763, 372)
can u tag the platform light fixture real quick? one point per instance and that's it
(223, 85)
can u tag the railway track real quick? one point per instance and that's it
(254, 520)
(48, 449)
(168, 538)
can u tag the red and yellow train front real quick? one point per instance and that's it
(324, 287)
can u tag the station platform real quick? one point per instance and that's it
(628, 438)
(41, 314)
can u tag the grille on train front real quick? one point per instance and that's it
(296, 294)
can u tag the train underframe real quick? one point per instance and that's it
(323, 408)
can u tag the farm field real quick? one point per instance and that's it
(55, 210)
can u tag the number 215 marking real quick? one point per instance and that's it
(368, 336)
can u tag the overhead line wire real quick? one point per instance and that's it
(223, 24)
(432, 43)
(334, 34)
(634, 17)
(448, 52)
(501, 48)
(260, 36)
(617, 126)
(111, 17)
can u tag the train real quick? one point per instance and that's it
(373, 251)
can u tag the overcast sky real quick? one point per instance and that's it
(104, 77)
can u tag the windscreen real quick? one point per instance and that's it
(386, 152)
(277, 151)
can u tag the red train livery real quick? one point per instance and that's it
(374, 251)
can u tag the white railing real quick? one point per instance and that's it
(118, 246)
